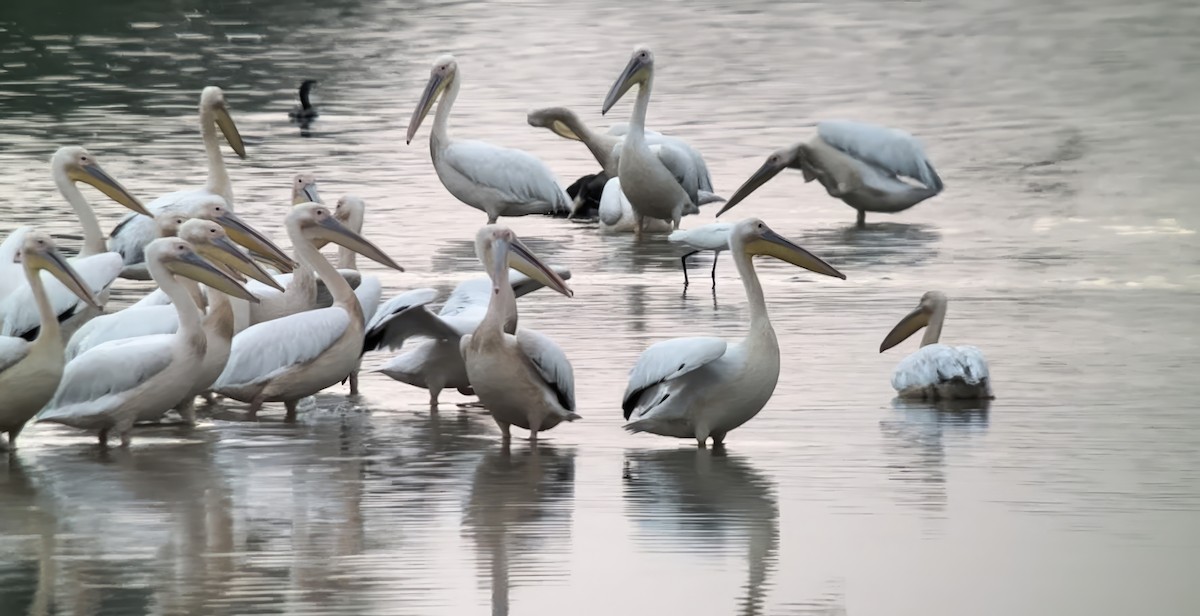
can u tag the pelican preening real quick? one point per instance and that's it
(132, 235)
(292, 357)
(936, 371)
(110, 386)
(19, 311)
(305, 111)
(859, 163)
(499, 181)
(704, 387)
(30, 371)
(713, 236)
(522, 377)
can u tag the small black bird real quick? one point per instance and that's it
(304, 111)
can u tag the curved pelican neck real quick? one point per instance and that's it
(933, 331)
(218, 178)
(637, 120)
(309, 255)
(599, 144)
(93, 237)
(49, 329)
(759, 323)
(190, 324)
(220, 314)
(439, 137)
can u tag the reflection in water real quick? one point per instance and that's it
(880, 245)
(519, 514)
(916, 449)
(698, 500)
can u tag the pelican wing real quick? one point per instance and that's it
(403, 317)
(129, 323)
(551, 363)
(891, 150)
(264, 350)
(19, 310)
(517, 175)
(12, 351)
(679, 164)
(668, 360)
(157, 298)
(130, 236)
(11, 276)
(938, 364)
(369, 291)
(109, 369)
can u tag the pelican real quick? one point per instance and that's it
(135, 232)
(704, 387)
(110, 386)
(433, 360)
(713, 236)
(300, 286)
(936, 371)
(30, 371)
(650, 185)
(616, 213)
(305, 111)
(499, 181)
(351, 211)
(859, 163)
(523, 379)
(19, 310)
(296, 356)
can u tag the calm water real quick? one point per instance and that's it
(1066, 132)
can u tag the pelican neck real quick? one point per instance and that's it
(439, 137)
(309, 256)
(48, 318)
(93, 237)
(218, 178)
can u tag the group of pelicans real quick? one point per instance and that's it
(222, 324)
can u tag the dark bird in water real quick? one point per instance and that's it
(305, 110)
(585, 194)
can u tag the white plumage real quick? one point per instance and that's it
(267, 350)
(131, 322)
(616, 214)
(713, 236)
(941, 371)
(890, 150)
(19, 310)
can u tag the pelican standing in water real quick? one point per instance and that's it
(305, 111)
(523, 379)
(108, 387)
(132, 235)
(713, 236)
(936, 371)
(31, 371)
(650, 186)
(861, 164)
(19, 311)
(704, 387)
(499, 181)
(293, 357)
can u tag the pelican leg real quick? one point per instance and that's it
(862, 219)
(702, 438)
(354, 383)
(125, 437)
(505, 430)
(187, 410)
(714, 270)
(718, 441)
(683, 260)
(12, 437)
(435, 390)
(255, 404)
(492, 218)
(638, 221)
(209, 397)
(103, 438)
(290, 405)
(535, 426)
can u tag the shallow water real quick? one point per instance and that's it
(1065, 132)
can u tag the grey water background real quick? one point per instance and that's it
(1066, 133)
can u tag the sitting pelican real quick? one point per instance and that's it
(305, 111)
(432, 359)
(110, 386)
(523, 379)
(936, 371)
(713, 236)
(19, 311)
(499, 181)
(30, 371)
(650, 186)
(136, 231)
(859, 163)
(292, 357)
(701, 387)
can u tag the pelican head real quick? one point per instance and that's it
(214, 208)
(317, 223)
(212, 104)
(441, 76)
(209, 239)
(499, 249)
(637, 72)
(557, 119)
(778, 161)
(80, 166)
(931, 302)
(181, 259)
(304, 189)
(351, 211)
(38, 252)
(168, 224)
(755, 238)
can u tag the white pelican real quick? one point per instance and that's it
(95, 265)
(300, 286)
(713, 236)
(499, 181)
(936, 371)
(290, 358)
(30, 371)
(352, 211)
(111, 385)
(616, 213)
(650, 186)
(305, 111)
(132, 235)
(859, 163)
(433, 360)
(524, 379)
(701, 387)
